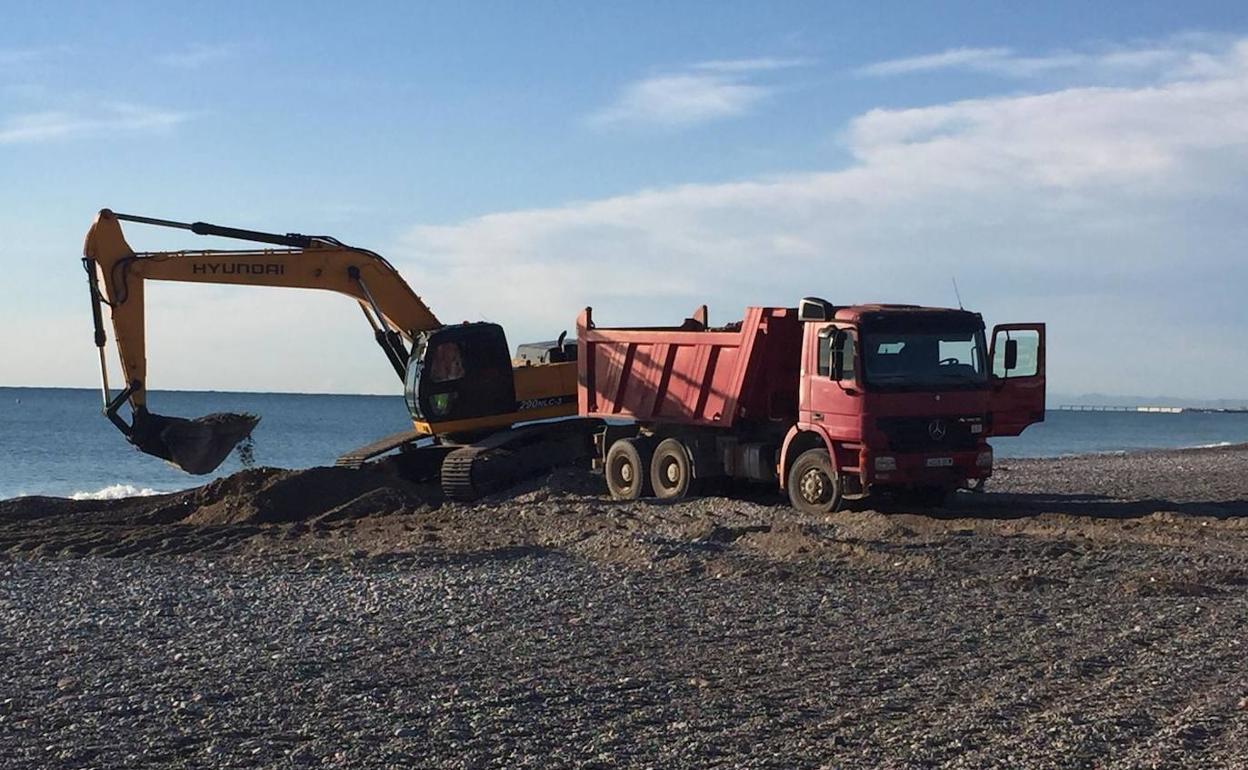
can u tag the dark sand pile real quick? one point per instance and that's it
(220, 514)
(271, 496)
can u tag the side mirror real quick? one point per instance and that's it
(1011, 355)
(814, 309)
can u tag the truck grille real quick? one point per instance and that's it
(930, 434)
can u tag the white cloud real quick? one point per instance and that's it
(954, 57)
(14, 57)
(762, 64)
(1177, 57)
(1090, 207)
(105, 119)
(703, 92)
(198, 55)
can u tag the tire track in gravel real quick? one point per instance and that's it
(974, 714)
(1232, 740)
(941, 679)
(1017, 691)
(1116, 684)
(1196, 720)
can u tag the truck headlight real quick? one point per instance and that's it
(984, 460)
(886, 463)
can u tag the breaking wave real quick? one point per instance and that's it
(114, 492)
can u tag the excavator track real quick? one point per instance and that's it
(510, 456)
(357, 457)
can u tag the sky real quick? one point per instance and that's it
(1085, 165)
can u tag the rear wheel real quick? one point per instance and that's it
(627, 469)
(814, 485)
(671, 471)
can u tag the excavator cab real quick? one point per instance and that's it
(458, 374)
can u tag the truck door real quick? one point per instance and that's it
(835, 397)
(1017, 356)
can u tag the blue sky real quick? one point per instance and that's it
(1081, 164)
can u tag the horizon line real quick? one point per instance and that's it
(191, 390)
(1056, 399)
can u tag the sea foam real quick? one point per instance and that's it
(114, 492)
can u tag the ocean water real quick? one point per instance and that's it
(55, 441)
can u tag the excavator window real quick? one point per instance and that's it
(448, 363)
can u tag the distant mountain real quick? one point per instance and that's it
(1101, 399)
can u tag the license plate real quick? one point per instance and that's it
(939, 462)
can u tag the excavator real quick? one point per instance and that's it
(480, 420)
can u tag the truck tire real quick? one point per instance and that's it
(671, 470)
(627, 469)
(814, 485)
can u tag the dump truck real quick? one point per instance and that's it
(830, 403)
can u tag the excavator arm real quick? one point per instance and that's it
(116, 276)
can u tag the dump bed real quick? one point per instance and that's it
(692, 374)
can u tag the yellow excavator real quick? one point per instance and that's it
(475, 410)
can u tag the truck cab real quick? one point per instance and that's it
(905, 397)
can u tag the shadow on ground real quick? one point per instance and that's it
(1015, 506)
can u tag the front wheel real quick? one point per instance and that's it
(814, 485)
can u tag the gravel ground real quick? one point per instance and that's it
(1090, 613)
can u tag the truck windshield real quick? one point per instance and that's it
(928, 360)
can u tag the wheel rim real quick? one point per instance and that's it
(669, 473)
(815, 487)
(622, 472)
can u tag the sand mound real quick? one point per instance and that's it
(271, 495)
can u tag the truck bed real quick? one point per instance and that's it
(692, 374)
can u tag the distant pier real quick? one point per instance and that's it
(1152, 409)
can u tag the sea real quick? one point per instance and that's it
(56, 441)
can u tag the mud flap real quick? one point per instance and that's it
(196, 446)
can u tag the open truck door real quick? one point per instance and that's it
(1017, 356)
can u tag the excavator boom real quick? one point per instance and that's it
(116, 276)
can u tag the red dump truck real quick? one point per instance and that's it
(830, 402)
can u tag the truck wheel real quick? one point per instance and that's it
(814, 485)
(628, 469)
(671, 472)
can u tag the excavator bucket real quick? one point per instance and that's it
(196, 446)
